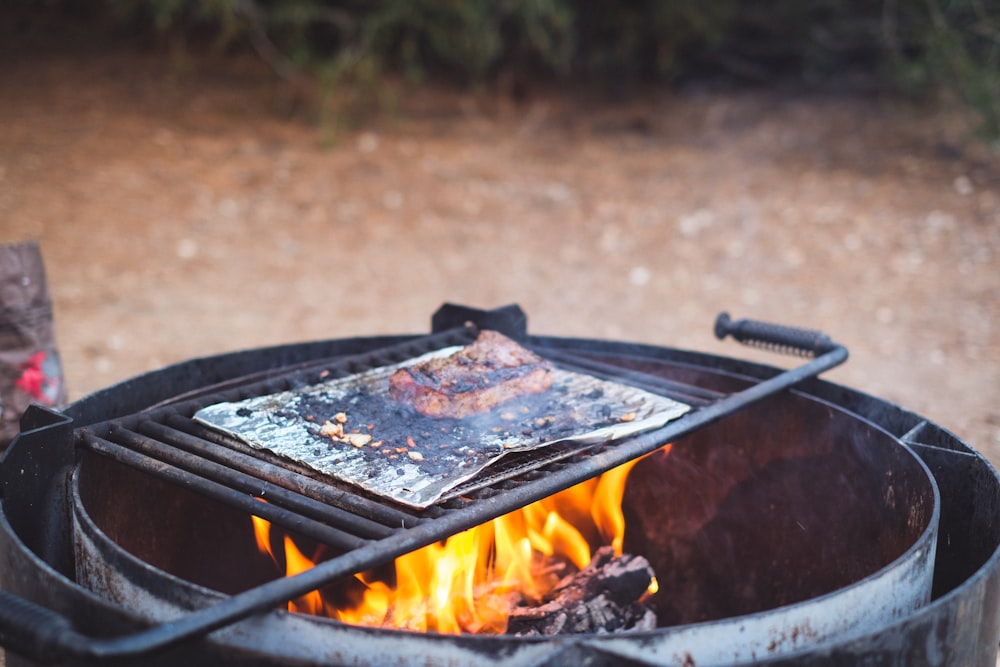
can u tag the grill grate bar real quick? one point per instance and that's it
(686, 393)
(286, 518)
(256, 485)
(183, 433)
(215, 473)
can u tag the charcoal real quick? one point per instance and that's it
(604, 597)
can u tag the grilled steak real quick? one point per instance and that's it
(490, 371)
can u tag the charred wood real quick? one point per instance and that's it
(604, 597)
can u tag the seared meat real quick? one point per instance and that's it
(492, 370)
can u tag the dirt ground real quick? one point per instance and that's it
(182, 214)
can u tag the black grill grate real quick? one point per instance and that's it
(366, 532)
(167, 443)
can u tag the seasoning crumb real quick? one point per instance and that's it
(627, 417)
(415, 456)
(358, 439)
(331, 429)
(340, 417)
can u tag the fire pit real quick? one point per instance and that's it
(793, 521)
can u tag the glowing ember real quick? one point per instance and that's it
(470, 582)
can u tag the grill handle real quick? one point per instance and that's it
(774, 337)
(37, 633)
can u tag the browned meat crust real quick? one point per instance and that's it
(490, 371)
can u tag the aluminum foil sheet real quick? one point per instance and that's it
(351, 430)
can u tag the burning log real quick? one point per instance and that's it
(604, 597)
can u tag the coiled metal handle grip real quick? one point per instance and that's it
(774, 337)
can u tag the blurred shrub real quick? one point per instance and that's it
(949, 43)
(917, 45)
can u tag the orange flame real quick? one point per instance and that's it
(469, 582)
(262, 533)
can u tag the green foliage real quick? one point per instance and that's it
(920, 44)
(175, 15)
(646, 37)
(953, 44)
(466, 38)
